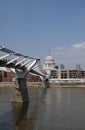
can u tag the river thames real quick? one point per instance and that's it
(50, 109)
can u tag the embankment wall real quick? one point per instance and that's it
(40, 84)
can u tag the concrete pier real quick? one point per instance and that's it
(20, 92)
(46, 83)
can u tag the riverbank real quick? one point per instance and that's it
(29, 84)
(41, 85)
(68, 85)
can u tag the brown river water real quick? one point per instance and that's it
(50, 109)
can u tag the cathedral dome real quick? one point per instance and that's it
(49, 64)
(49, 59)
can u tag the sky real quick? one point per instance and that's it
(32, 27)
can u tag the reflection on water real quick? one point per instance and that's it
(19, 115)
(53, 108)
(24, 114)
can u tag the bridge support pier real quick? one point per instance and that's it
(46, 83)
(20, 92)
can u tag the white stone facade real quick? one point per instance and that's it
(49, 64)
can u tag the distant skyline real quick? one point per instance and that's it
(32, 27)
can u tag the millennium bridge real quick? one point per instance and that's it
(21, 65)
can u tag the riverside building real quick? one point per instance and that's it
(7, 76)
(56, 73)
(61, 74)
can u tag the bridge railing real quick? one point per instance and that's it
(12, 59)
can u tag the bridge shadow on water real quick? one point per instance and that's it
(22, 116)
(19, 115)
(25, 114)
